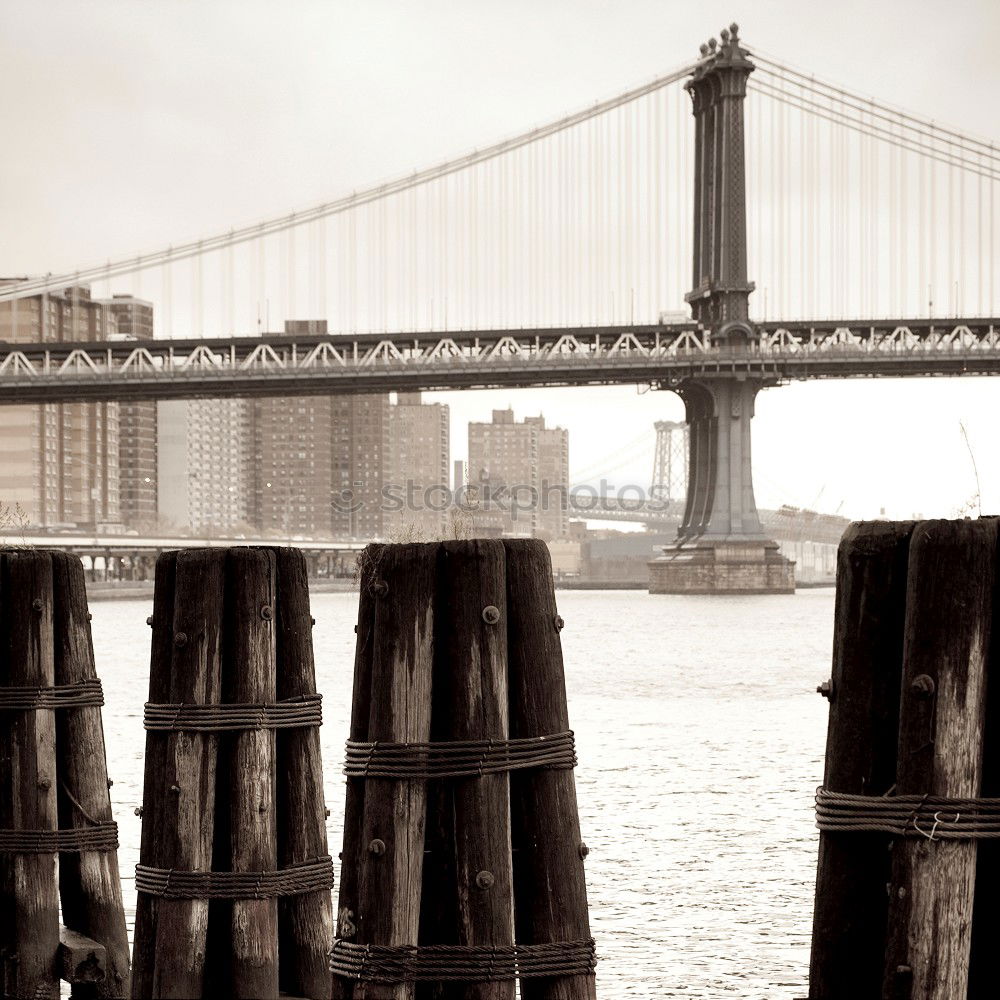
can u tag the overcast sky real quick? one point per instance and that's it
(135, 124)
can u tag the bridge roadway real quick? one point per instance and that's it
(662, 354)
(787, 524)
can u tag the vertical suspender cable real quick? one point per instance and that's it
(932, 230)
(322, 269)
(979, 240)
(893, 271)
(678, 223)
(993, 185)
(801, 290)
(656, 172)
(951, 239)
(621, 170)
(962, 248)
(921, 230)
(864, 221)
(907, 233)
(772, 227)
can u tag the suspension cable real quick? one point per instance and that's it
(130, 265)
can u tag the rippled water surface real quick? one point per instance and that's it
(700, 740)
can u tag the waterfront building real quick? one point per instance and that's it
(521, 474)
(360, 446)
(293, 465)
(417, 469)
(60, 460)
(137, 434)
(292, 468)
(203, 464)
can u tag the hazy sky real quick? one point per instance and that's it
(130, 125)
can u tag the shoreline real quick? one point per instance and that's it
(127, 590)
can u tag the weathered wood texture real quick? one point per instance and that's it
(248, 800)
(249, 676)
(81, 960)
(849, 922)
(950, 596)
(394, 811)
(305, 923)
(550, 891)
(353, 852)
(186, 783)
(89, 882)
(460, 641)
(154, 787)
(986, 909)
(468, 887)
(29, 901)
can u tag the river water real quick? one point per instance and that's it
(700, 739)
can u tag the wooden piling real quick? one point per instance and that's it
(849, 921)
(950, 594)
(186, 784)
(394, 811)
(550, 892)
(249, 672)
(29, 902)
(468, 889)
(221, 786)
(89, 882)
(456, 717)
(152, 850)
(353, 853)
(305, 923)
(986, 908)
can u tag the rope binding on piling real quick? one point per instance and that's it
(314, 875)
(458, 758)
(290, 713)
(929, 816)
(83, 694)
(461, 963)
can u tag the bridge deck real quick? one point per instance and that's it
(665, 354)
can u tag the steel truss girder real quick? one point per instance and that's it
(660, 354)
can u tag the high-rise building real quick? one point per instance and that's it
(137, 424)
(361, 448)
(60, 460)
(390, 467)
(417, 469)
(292, 467)
(203, 464)
(292, 458)
(521, 474)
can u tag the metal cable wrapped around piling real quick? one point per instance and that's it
(308, 876)
(458, 758)
(98, 837)
(929, 816)
(83, 694)
(290, 713)
(461, 963)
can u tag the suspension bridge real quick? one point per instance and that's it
(563, 256)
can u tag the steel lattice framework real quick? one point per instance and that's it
(662, 355)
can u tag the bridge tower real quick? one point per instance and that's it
(670, 461)
(721, 546)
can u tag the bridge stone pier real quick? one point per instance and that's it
(721, 547)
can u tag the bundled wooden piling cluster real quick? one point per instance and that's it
(906, 896)
(54, 799)
(462, 864)
(234, 877)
